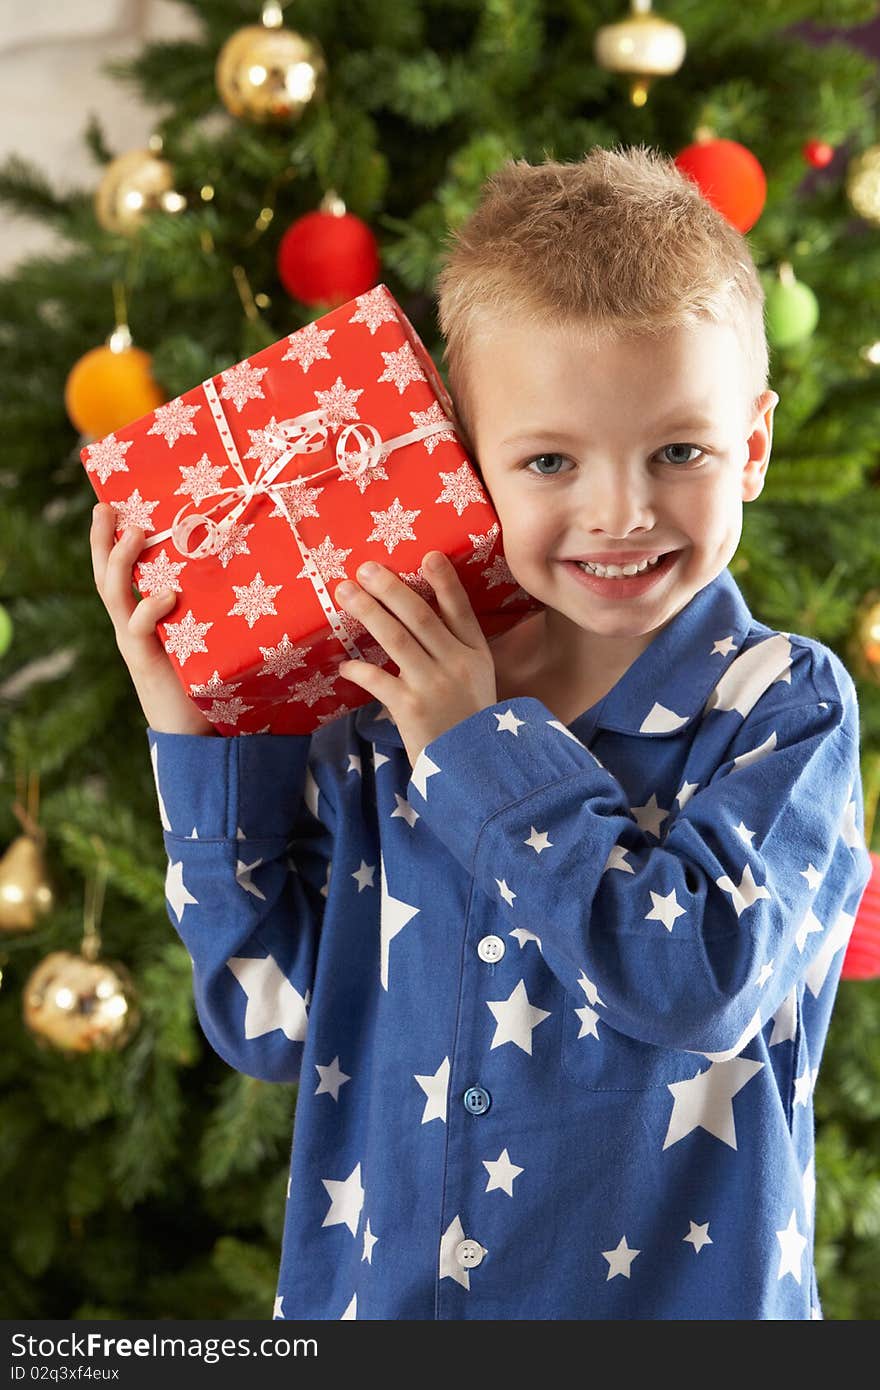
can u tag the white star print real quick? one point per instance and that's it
(791, 1244)
(755, 755)
(507, 894)
(176, 891)
(346, 1200)
(745, 835)
(394, 914)
(590, 990)
(808, 1184)
(331, 1079)
(272, 1001)
(423, 769)
(435, 1088)
(523, 935)
(849, 830)
(650, 816)
(515, 1019)
(661, 721)
(369, 1242)
(746, 893)
(750, 674)
(619, 1259)
(836, 939)
(278, 1310)
(723, 647)
(803, 1084)
(589, 1022)
(766, 972)
(706, 1101)
(243, 877)
(617, 860)
(508, 721)
(808, 927)
(785, 1019)
(751, 1028)
(538, 840)
(351, 1311)
(812, 875)
(698, 1236)
(501, 1173)
(163, 814)
(404, 810)
(363, 876)
(687, 791)
(449, 1267)
(664, 910)
(354, 764)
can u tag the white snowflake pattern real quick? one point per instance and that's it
(214, 689)
(173, 420)
(255, 600)
(227, 711)
(232, 540)
(329, 560)
(461, 488)
(241, 384)
(134, 511)
(202, 480)
(434, 416)
(308, 345)
(186, 637)
(393, 525)
(373, 309)
(280, 660)
(498, 573)
(298, 499)
(108, 456)
(484, 545)
(402, 368)
(318, 686)
(339, 402)
(161, 573)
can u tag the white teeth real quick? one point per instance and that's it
(616, 571)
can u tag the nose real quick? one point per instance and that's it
(618, 500)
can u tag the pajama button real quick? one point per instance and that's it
(491, 948)
(469, 1253)
(476, 1100)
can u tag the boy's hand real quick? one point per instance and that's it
(446, 667)
(165, 703)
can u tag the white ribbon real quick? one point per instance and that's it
(301, 434)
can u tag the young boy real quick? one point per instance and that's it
(549, 933)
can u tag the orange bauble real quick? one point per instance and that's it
(729, 177)
(107, 390)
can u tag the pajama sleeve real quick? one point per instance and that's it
(248, 858)
(684, 925)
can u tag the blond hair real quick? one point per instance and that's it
(618, 243)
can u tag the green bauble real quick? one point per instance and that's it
(5, 630)
(792, 312)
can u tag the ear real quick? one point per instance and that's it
(759, 444)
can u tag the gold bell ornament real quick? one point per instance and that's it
(79, 1003)
(643, 46)
(134, 184)
(863, 184)
(26, 892)
(267, 73)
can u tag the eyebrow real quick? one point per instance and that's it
(679, 421)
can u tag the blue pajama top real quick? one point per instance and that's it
(556, 997)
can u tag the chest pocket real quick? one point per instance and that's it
(600, 1059)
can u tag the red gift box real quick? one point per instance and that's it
(333, 446)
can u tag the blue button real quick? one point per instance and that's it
(476, 1100)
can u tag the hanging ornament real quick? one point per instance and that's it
(729, 177)
(133, 185)
(863, 184)
(863, 648)
(791, 309)
(5, 630)
(329, 256)
(79, 1003)
(26, 892)
(644, 46)
(862, 958)
(113, 384)
(267, 73)
(818, 153)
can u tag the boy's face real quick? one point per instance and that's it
(598, 473)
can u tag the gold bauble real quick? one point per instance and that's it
(134, 184)
(863, 184)
(863, 648)
(268, 74)
(643, 46)
(80, 1005)
(25, 887)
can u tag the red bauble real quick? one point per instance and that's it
(729, 177)
(325, 258)
(818, 153)
(862, 959)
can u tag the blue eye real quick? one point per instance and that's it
(539, 457)
(682, 462)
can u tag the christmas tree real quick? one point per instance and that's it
(141, 1177)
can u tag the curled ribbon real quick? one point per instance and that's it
(301, 434)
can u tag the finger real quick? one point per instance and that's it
(117, 593)
(389, 631)
(101, 540)
(149, 611)
(452, 597)
(378, 683)
(418, 632)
